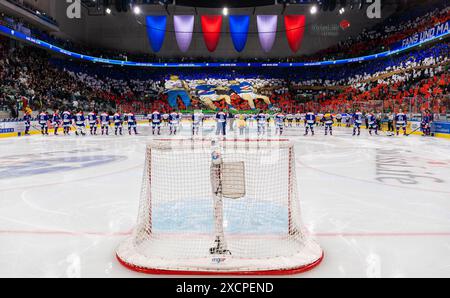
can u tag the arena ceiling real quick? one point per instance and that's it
(124, 31)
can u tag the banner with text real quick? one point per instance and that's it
(430, 34)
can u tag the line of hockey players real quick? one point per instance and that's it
(81, 122)
(103, 122)
(281, 120)
(327, 120)
(171, 120)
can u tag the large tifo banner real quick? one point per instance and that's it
(432, 33)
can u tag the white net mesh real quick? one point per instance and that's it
(255, 215)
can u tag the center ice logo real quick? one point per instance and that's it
(31, 166)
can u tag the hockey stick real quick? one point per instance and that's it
(35, 127)
(413, 131)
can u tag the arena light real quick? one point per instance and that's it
(225, 11)
(313, 9)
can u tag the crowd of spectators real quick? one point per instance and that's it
(32, 77)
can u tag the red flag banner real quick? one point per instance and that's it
(211, 26)
(295, 28)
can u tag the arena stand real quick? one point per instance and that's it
(412, 80)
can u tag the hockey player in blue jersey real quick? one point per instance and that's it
(155, 120)
(279, 123)
(105, 123)
(426, 123)
(43, 122)
(310, 122)
(401, 121)
(80, 122)
(261, 120)
(56, 121)
(221, 119)
(357, 122)
(328, 119)
(93, 122)
(27, 121)
(117, 118)
(132, 123)
(66, 122)
(372, 121)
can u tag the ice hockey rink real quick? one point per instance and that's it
(379, 206)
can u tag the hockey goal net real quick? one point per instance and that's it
(226, 207)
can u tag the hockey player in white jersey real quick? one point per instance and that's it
(357, 120)
(401, 121)
(298, 119)
(173, 123)
(221, 119)
(329, 121)
(261, 119)
(279, 123)
(289, 119)
(165, 119)
(197, 120)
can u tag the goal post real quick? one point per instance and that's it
(226, 207)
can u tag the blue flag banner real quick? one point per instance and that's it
(156, 31)
(239, 31)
